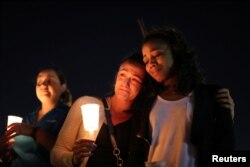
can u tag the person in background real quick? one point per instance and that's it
(185, 119)
(36, 135)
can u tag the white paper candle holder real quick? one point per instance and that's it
(90, 117)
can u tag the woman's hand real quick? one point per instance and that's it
(15, 129)
(224, 98)
(81, 149)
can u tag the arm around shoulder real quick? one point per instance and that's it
(224, 129)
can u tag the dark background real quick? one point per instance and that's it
(87, 40)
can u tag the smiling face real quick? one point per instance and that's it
(129, 81)
(49, 87)
(158, 59)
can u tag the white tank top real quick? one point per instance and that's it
(171, 122)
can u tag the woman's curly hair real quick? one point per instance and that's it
(185, 68)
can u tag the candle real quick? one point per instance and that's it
(90, 117)
(14, 119)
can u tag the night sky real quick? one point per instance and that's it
(87, 40)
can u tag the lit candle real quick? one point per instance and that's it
(90, 117)
(13, 119)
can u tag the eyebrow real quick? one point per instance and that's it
(49, 76)
(124, 69)
(150, 51)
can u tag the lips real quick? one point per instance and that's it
(124, 90)
(154, 71)
(44, 92)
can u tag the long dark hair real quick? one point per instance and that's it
(185, 68)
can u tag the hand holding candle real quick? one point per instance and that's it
(81, 149)
(13, 119)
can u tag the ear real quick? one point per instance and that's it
(64, 87)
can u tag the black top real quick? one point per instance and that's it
(103, 155)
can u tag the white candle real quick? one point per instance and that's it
(90, 117)
(14, 119)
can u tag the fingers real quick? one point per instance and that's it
(223, 93)
(19, 129)
(85, 144)
(14, 125)
(83, 148)
(223, 96)
(13, 130)
(85, 141)
(225, 100)
(81, 153)
(223, 90)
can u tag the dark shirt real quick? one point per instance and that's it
(29, 152)
(103, 155)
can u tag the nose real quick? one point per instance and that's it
(152, 62)
(45, 83)
(127, 82)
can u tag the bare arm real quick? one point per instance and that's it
(61, 154)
